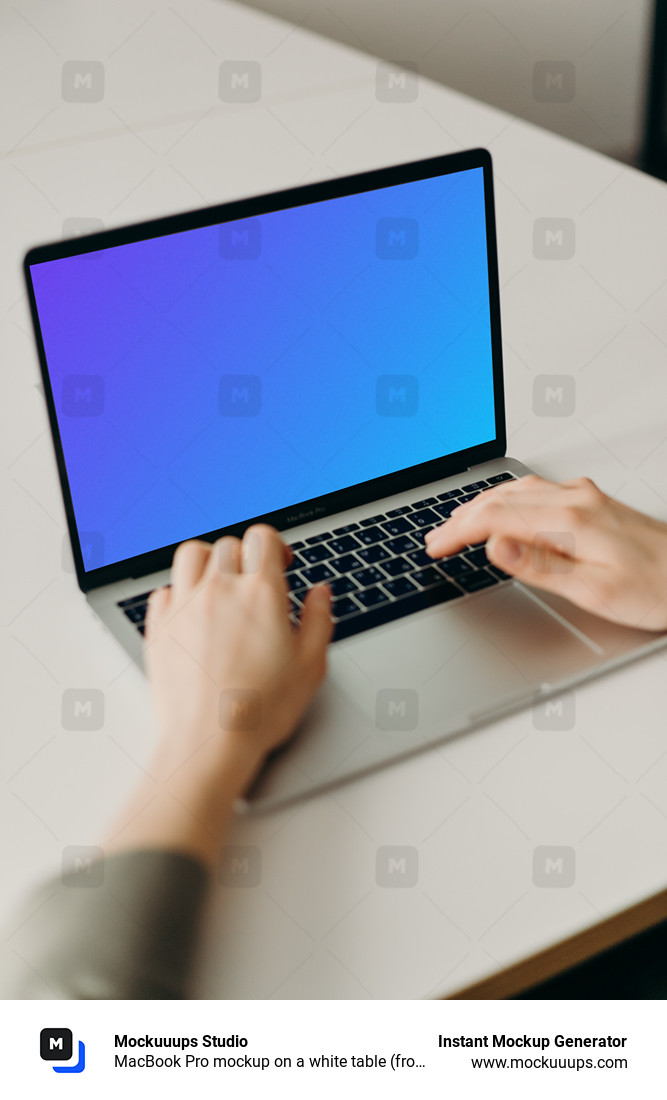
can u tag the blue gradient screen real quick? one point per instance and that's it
(214, 375)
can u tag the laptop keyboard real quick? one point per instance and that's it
(378, 569)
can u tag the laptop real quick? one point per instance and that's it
(325, 359)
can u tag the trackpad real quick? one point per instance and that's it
(414, 682)
(468, 653)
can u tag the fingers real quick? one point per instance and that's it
(189, 563)
(158, 604)
(517, 516)
(226, 555)
(317, 627)
(543, 564)
(542, 555)
(261, 550)
(265, 552)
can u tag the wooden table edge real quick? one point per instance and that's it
(568, 953)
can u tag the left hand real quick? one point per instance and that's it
(229, 674)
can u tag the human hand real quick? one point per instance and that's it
(229, 675)
(571, 539)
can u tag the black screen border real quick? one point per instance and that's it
(330, 503)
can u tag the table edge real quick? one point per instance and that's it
(567, 953)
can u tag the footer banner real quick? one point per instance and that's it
(328, 1048)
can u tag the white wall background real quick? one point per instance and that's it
(489, 50)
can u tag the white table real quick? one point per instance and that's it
(161, 140)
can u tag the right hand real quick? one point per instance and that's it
(571, 539)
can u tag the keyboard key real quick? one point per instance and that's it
(297, 545)
(294, 581)
(344, 606)
(371, 554)
(137, 613)
(450, 495)
(391, 610)
(398, 526)
(445, 510)
(399, 511)
(313, 554)
(344, 545)
(453, 566)
(499, 573)
(372, 575)
(425, 503)
(474, 486)
(423, 531)
(341, 585)
(420, 558)
(479, 578)
(296, 563)
(477, 557)
(425, 578)
(142, 629)
(497, 478)
(395, 566)
(345, 564)
(401, 586)
(317, 573)
(143, 598)
(400, 545)
(425, 517)
(371, 535)
(371, 521)
(299, 596)
(344, 530)
(468, 496)
(372, 596)
(314, 539)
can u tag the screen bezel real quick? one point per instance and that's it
(330, 503)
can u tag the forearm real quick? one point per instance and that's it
(184, 805)
(132, 936)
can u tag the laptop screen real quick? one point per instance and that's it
(214, 375)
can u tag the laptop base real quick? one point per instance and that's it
(410, 684)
